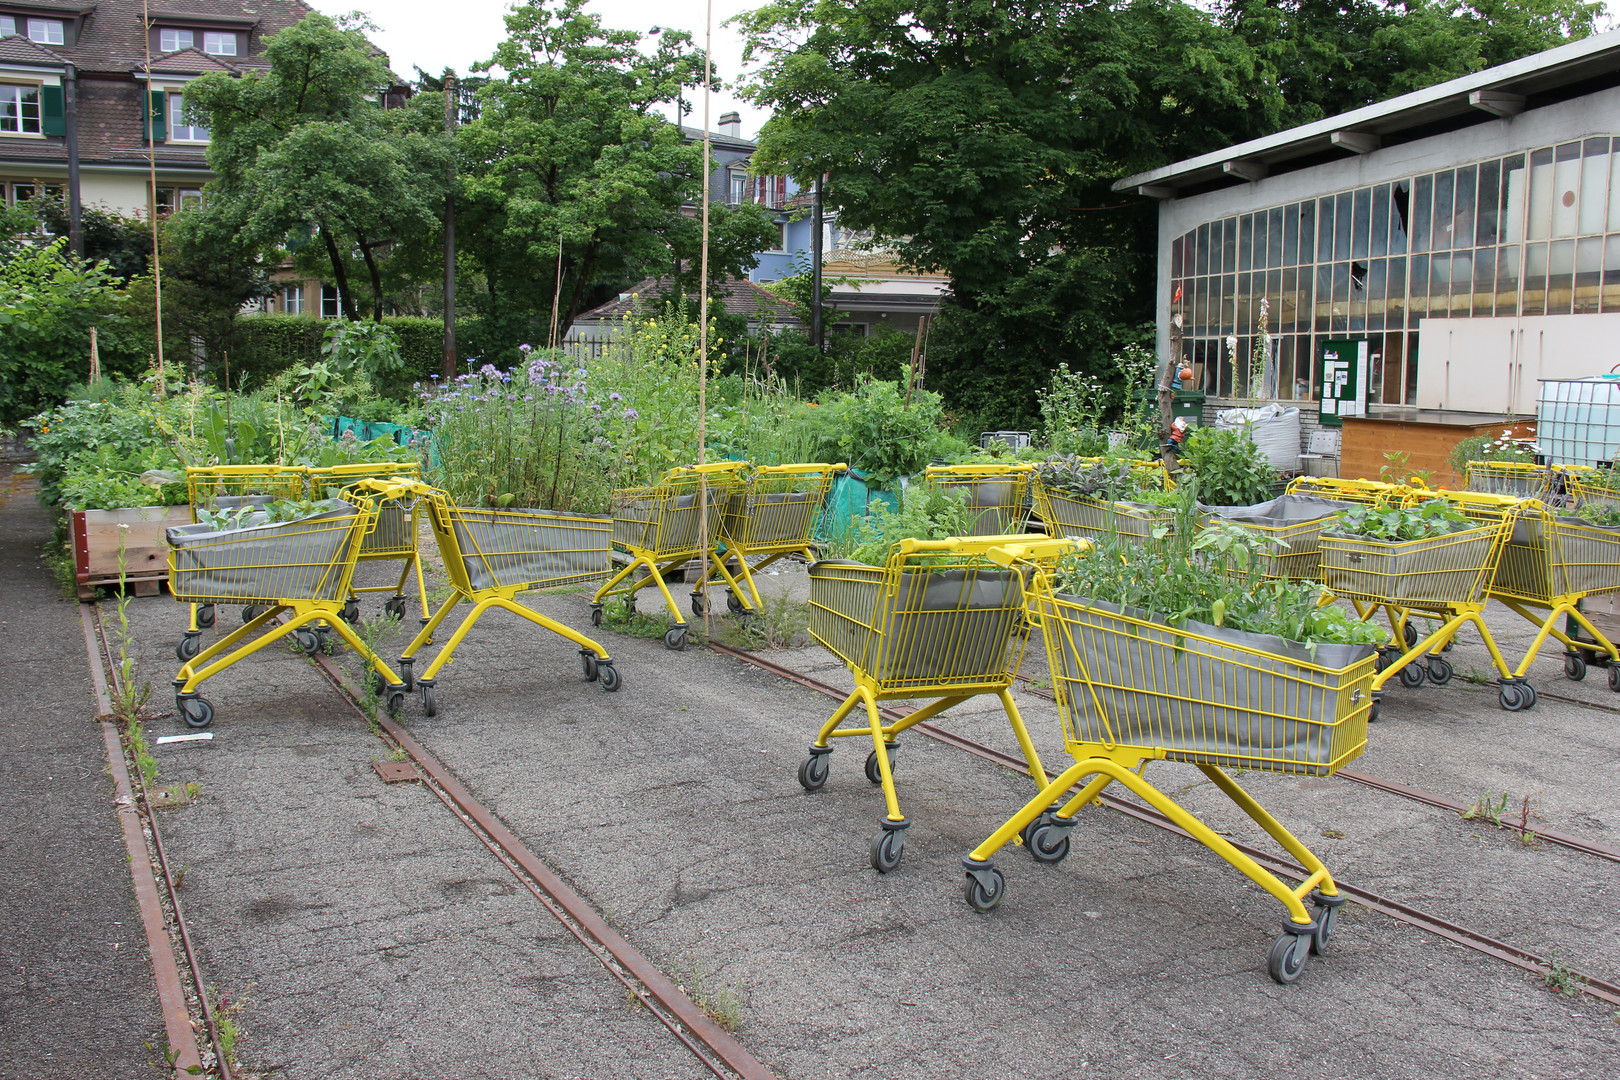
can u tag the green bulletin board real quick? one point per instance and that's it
(1341, 379)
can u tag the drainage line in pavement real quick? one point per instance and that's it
(1442, 928)
(171, 994)
(674, 1009)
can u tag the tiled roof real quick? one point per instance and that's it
(112, 39)
(190, 62)
(738, 296)
(17, 49)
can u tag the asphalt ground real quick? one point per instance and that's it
(77, 998)
(372, 937)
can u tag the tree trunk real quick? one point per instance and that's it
(341, 276)
(376, 283)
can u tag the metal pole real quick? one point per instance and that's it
(815, 266)
(75, 215)
(448, 367)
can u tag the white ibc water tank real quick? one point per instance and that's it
(1578, 420)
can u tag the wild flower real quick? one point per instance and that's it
(631, 414)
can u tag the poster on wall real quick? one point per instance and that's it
(1341, 379)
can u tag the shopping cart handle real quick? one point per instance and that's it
(1007, 554)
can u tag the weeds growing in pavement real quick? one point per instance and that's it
(167, 1065)
(373, 634)
(776, 624)
(127, 697)
(1476, 676)
(618, 616)
(722, 1004)
(1488, 807)
(1560, 978)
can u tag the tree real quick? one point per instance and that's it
(307, 159)
(571, 147)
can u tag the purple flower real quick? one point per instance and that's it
(525, 348)
(528, 397)
(615, 397)
(490, 371)
(631, 414)
(596, 408)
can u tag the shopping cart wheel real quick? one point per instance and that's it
(396, 701)
(1048, 841)
(587, 661)
(1327, 919)
(1516, 697)
(675, 638)
(700, 604)
(1288, 955)
(190, 645)
(734, 605)
(984, 887)
(394, 607)
(197, 712)
(1409, 634)
(1411, 676)
(1377, 707)
(1439, 671)
(405, 673)
(813, 773)
(1614, 678)
(351, 613)
(609, 676)
(308, 640)
(430, 700)
(874, 772)
(205, 616)
(596, 614)
(887, 847)
(1574, 666)
(251, 612)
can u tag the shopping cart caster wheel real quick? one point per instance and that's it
(874, 772)
(1411, 676)
(1409, 634)
(588, 664)
(982, 896)
(405, 674)
(251, 612)
(733, 604)
(675, 639)
(1374, 710)
(350, 613)
(700, 604)
(887, 847)
(396, 702)
(197, 712)
(609, 676)
(1327, 920)
(205, 616)
(308, 640)
(188, 648)
(394, 608)
(1287, 959)
(813, 773)
(430, 701)
(596, 614)
(1614, 678)
(1516, 697)
(1439, 671)
(1574, 666)
(1048, 842)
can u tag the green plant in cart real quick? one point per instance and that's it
(1230, 469)
(1430, 518)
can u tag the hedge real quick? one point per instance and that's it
(267, 345)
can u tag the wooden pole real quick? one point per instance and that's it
(151, 164)
(95, 358)
(448, 365)
(703, 322)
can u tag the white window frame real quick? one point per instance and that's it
(736, 187)
(215, 42)
(46, 31)
(292, 299)
(331, 300)
(176, 38)
(8, 25)
(192, 133)
(11, 94)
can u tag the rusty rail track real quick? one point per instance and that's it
(1524, 959)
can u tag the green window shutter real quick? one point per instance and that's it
(52, 111)
(154, 119)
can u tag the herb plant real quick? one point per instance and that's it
(1230, 468)
(248, 516)
(1430, 518)
(923, 514)
(1503, 447)
(1602, 515)
(1105, 481)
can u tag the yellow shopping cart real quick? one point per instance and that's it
(1519, 479)
(1444, 578)
(997, 495)
(659, 529)
(1359, 492)
(1294, 523)
(217, 488)
(302, 568)
(1132, 690)
(770, 514)
(1066, 514)
(937, 620)
(492, 555)
(393, 538)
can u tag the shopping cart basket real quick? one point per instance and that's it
(1443, 577)
(1520, 479)
(1359, 492)
(230, 487)
(770, 514)
(1587, 484)
(659, 529)
(1551, 563)
(1132, 689)
(302, 568)
(492, 555)
(997, 495)
(393, 538)
(1294, 523)
(1081, 517)
(937, 620)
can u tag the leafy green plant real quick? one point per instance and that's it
(275, 512)
(1430, 518)
(1072, 409)
(1230, 469)
(873, 429)
(1503, 447)
(923, 514)
(1603, 515)
(1120, 480)
(368, 347)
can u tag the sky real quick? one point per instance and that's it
(433, 35)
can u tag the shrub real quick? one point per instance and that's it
(1230, 468)
(873, 429)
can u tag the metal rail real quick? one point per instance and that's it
(1599, 989)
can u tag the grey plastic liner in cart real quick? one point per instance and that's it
(665, 522)
(990, 501)
(942, 627)
(1241, 699)
(1296, 520)
(1091, 518)
(392, 532)
(778, 517)
(1573, 558)
(505, 549)
(292, 560)
(1450, 569)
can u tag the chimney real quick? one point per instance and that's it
(731, 125)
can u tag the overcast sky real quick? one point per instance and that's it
(433, 35)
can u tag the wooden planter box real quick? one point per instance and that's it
(96, 536)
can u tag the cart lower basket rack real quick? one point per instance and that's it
(771, 513)
(663, 528)
(997, 495)
(230, 487)
(1131, 689)
(301, 568)
(1443, 577)
(937, 620)
(490, 556)
(394, 537)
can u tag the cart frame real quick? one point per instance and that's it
(383, 543)
(1011, 510)
(792, 529)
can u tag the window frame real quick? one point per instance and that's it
(12, 19)
(333, 299)
(47, 25)
(175, 103)
(292, 299)
(38, 92)
(223, 36)
(191, 38)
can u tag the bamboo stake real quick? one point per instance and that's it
(703, 324)
(151, 164)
